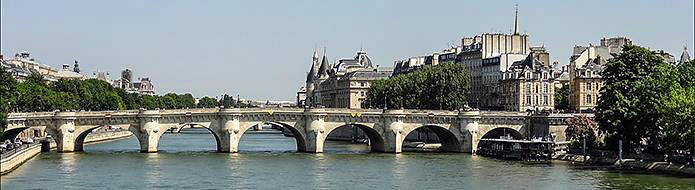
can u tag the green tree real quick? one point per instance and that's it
(169, 101)
(207, 102)
(186, 101)
(443, 86)
(227, 101)
(642, 101)
(150, 102)
(36, 78)
(8, 96)
(35, 96)
(561, 98)
(675, 108)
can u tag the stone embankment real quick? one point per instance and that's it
(630, 164)
(17, 159)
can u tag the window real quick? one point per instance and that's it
(536, 88)
(545, 75)
(528, 88)
(545, 87)
(528, 100)
(545, 100)
(588, 99)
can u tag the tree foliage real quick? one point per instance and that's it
(444, 86)
(582, 127)
(646, 101)
(8, 96)
(562, 98)
(36, 94)
(207, 102)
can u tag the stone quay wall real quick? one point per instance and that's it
(8, 164)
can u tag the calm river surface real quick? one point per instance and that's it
(268, 161)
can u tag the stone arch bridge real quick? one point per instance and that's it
(458, 131)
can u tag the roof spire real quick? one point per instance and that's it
(685, 57)
(315, 55)
(516, 19)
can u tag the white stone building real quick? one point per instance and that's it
(343, 85)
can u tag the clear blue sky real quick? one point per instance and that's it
(262, 49)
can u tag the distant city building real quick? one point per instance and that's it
(103, 76)
(144, 86)
(413, 63)
(528, 84)
(141, 86)
(22, 65)
(667, 57)
(343, 85)
(561, 75)
(586, 65)
(301, 96)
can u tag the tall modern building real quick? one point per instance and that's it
(343, 85)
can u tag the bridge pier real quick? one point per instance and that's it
(393, 131)
(230, 134)
(148, 130)
(469, 127)
(315, 131)
(62, 129)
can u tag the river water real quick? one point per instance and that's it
(269, 161)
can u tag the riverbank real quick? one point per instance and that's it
(10, 163)
(629, 164)
(17, 159)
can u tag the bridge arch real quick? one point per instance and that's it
(299, 136)
(278, 126)
(11, 134)
(376, 140)
(83, 131)
(181, 126)
(178, 128)
(502, 132)
(450, 141)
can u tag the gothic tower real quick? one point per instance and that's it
(310, 79)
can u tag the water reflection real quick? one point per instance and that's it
(153, 175)
(68, 163)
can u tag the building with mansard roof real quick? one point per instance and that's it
(340, 85)
(528, 84)
(586, 65)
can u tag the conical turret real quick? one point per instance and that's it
(313, 72)
(323, 69)
(685, 57)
